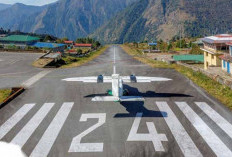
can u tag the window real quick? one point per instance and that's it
(212, 56)
(224, 64)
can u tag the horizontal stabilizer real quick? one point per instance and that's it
(123, 98)
(105, 98)
(132, 98)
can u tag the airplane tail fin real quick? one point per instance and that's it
(119, 99)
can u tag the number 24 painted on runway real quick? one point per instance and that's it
(77, 146)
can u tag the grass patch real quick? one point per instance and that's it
(219, 91)
(4, 93)
(70, 61)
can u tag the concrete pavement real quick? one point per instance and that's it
(57, 118)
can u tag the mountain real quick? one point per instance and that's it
(4, 6)
(164, 19)
(14, 16)
(66, 18)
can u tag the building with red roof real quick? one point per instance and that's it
(83, 45)
(68, 42)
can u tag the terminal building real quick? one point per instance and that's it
(215, 46)
(24, 40)
(18, 40)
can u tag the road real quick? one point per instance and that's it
(56, 118)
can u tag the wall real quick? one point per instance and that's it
(225, 68)
(212, 60)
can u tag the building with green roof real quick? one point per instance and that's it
(186, 58)
(18, 40)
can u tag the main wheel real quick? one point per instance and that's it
(125, 92)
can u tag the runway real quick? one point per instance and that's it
(56, 118)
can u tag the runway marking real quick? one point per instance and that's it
(114, 62)
(182, 138)
(25, 133)
(152, 136)
(35, 78)
(217, 146)
(46, 142)
(77, 146)
(218, 119)
(14, 119)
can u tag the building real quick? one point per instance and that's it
(152, 44)
(52, 46)
(227, 60)
(83, 45)
(18, 40)
(215, 46)
(69, 43)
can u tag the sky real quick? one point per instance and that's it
(28, 2)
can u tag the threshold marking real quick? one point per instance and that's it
(214, 142)
(182, 138)
(217, 118)
(14, 119)
(26, 132)
(46, 142)
(35, 78)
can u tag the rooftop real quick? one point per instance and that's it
(47, 45)
(83, 45)
(68, 42)
(218, 39)
(19, 38)
(198, 58)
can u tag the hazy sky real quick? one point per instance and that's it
(28, 2)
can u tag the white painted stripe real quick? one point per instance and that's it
(46, 142)
(218, 119)
(214, 142)
(35, 78)
(182, 138)
(13, 120)
(25, 133)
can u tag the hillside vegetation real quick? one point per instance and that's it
(65, 18)
(163, 19)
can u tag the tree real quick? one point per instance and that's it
(47, 38)
(196, 50)
(170, 46)
(79, 51)
(65, 39)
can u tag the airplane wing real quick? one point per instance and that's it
(140, 79)
(91, 79)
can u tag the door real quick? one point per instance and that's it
(228, 67)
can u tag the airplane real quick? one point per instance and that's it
(117, 94)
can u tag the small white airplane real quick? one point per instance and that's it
(117, 94)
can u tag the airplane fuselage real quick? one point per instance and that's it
(117, 85)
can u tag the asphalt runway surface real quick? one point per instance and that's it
(57, 118)
(15, 68)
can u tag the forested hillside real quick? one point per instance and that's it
(164, 19)
(66, 18)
